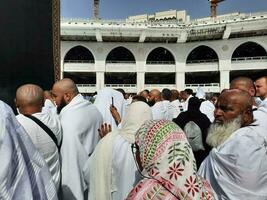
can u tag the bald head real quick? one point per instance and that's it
(66, 85)
(155, 94)
(153, 97)
(29, 99)
(63, 92)
(234, 103)
(243, 83)
(239, 97)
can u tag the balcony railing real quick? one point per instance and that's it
(250, 58)
(79, 61)
(86, 85)
(160, 85)
(160, 62)
(202, 61)
(118, 61)
(120, 85)
(203, 85)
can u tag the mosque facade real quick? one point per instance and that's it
(164, 50)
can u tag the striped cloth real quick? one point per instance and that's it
(23, 172)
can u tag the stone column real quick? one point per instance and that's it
(180, 76)
(100, 74)
(225, 68)
(140, 77)
(180, 80)
(140, 81)
(224, 79)
(100, 80)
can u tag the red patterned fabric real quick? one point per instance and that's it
(167, 157)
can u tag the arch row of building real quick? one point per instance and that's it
(162, 55)
(136, 66)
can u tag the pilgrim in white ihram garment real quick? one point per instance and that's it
(111, 170)
(236, 167)
(43, 142)
(23, 172)
(80, 121)
(104, 99)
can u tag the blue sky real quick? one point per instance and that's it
(120, 9)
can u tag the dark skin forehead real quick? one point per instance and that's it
(233, 99)
(239, 85)
(155, 92)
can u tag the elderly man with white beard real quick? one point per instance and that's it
(236, 167)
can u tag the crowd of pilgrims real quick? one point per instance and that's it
(153, 145)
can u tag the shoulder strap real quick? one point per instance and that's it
(46, 129)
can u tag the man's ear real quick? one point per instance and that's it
(247, 117)
(252, 92)
(67, 97)
(16, 103)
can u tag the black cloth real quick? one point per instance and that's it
(193, 114)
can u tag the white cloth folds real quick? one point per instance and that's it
(208, 108)
(103, 102)
(49, 107)
(177, 106)
(80, 120)
(24, 174)
(185, 103)
(237, 169)
(260, 117)
(109, 182)
(43, 142)
(263, 103)
(163, 110)
(200, 93)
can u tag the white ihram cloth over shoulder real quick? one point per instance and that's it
(79, 120)
(185, 103)
(263, 103)
(260, 117)
(237, 169)
(176, 107)
(111, 170)
(103, 102)
(208, 108)
(162, 110)
(43, 142)
(49, 107)
(24, 174)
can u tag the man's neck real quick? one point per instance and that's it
(30, 110)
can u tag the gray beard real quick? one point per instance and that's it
(219, 133)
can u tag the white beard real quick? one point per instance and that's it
(219, 133)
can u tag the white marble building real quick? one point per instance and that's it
(156, 54)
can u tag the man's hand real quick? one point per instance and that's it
(115, 114)
(104, 130)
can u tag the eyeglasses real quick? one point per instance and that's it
(135, 148)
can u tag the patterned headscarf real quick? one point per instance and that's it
(167, 156)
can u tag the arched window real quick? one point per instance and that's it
(202, 54)
(160, 55)
(249, 49)
(120, 55)
(79, 54)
